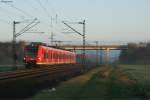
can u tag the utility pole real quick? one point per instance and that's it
(84, 59)
(97, 53)
(52, 38)
(52, 26)
(15, 35)
(14, 44)
(83, 36)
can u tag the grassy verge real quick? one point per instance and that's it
(141, 73)
(5, 69)
(101, 83)
(69, 89)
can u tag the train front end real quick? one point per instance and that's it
(30, 55)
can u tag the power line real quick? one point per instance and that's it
(44, 9)
(52, 8)
(32, 6)
(18, 9)
(36, 9)
(4, 21)
(28, 27)
(8, 12)
(22, 11)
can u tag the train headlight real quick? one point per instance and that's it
(39, 58)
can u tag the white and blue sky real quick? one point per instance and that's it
(106, 20)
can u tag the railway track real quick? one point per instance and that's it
(33, 73)
(24, 83)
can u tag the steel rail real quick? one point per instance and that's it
(35, 73)
(24, 71)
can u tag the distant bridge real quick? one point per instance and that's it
(106, 48)
(94, 47)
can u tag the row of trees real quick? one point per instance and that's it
(135, 54)
(6, 52)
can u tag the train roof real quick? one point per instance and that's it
(37, 44)
(49, 47)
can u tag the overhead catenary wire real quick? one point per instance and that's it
(23, 12)
(44, 9)
(28, 27)
(50, 18)
(58, 19)
(7, 12)
(4, 21)
(44, 21)
(19, 10)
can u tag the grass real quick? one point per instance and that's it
(68, 90)
(6, 68)
(141, 73)
(104, 83)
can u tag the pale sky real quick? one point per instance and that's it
(106, 20)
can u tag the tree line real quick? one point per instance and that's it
(6, 52)
(136, 54)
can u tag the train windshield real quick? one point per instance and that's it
(31, 51)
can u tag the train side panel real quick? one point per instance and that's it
(50, 56)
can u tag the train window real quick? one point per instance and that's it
(67, 56)
(61, 56)
(54, 55)
(50, 54)
(31, 51)
(58, 56)
(64, 56)
(45, 55)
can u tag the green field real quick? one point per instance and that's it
(141, 73)
(108, 82)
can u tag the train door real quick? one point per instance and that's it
(54, 57)
(46, 56)
(57, 56)
(40, 56)
(65, 60)
(50, 56)
(61, 57)
(70, 57)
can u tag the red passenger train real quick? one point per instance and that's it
(35, 55)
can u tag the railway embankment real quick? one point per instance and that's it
(107, 82)
(103, 82)
(20, 84)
